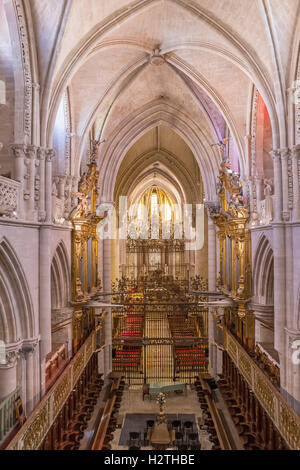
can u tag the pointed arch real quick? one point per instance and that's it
(16, 310)
(263, 272)
(156, 113)
(60, 278)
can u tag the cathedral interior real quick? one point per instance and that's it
(150, 225)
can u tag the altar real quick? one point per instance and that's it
(165, 387)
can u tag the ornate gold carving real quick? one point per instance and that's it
(265, 395)
(85, 248)
(38, 429)
(61, 393)
(231, 217)
(283, 416)
(78, 367)
(33, 432)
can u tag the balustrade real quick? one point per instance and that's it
(9, 197)
(8, 419)
(35, 429)
(269, 403)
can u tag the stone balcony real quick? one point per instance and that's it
(9, 198)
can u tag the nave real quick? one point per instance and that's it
(150, 224)
(110, 415)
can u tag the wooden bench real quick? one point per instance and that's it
(106, 416)
(217, 420)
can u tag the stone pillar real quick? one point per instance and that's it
(35, 113)
(45, 295)
(31, 153)
(259, 188)
(50, 153)
(296, 201)
(215, 355)
(291, 390)
(29, 383)
(265, 313)
(285, 184)
(8, 374)
(276, 156)
(41, 156)
(108, 320)
(19, 173)
(279, 287)
(61, 187)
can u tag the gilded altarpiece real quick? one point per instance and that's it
(231, 218)
(85, 281)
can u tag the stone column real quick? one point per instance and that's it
(215, 355)
(276, 156)
(108, 320)
(8, 373)
(296, 201)
(45, 296)
(35, 113)
(279, 286)
(50, 153)
(29, 383)
(285, 184)
(265, 313)
(61, 187)
(41, 156)
(291, 390)
(19, 173)
(259, 188)
(31, 153)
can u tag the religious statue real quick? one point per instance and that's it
(268, 192)
(95, 149)
(82, 207)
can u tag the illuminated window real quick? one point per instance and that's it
(168, 212)
(154, 203)
(140, 211)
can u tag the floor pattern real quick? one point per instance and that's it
(137, 422)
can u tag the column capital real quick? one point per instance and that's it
(62, 178)
(50, 154)
(11, 357)
(280, 153)
(31, 152)
(212, 207)
(285, 153)
(18, 150)
(36, 86)
(296, 151)
(275, 154)
(41, 153)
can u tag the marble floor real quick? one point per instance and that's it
(132, 402)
